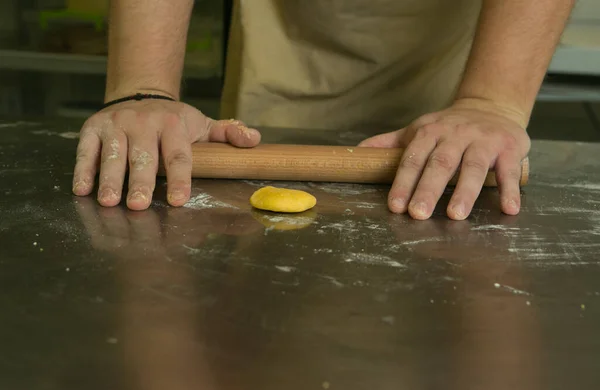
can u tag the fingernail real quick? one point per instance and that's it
(399, 204)
(175, 196)
(459, 211)
(420, 209)
(80, 186)
(107, 194)
(511, 204)
(138, 195)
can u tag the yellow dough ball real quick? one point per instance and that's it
(282, 200)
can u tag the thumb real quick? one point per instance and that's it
(234, 132)
(394, 139)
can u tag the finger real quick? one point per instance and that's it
(112, 169)
(234, 132)
(508, 176)
(386, 140)
(411, 167)
(176, 152)
(143, 165)
(441, 167)
(86, 166)
(399, 138)
(474, 168)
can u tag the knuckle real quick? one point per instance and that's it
(431, 130)
(171, 119)
(475, 164)
(442, 161)
(510, 142)
(463, 131)
(141, 159)
(409, 161)
(178, 158)
(83, 157)
(511, 174)
(425, 119)
(116, 115)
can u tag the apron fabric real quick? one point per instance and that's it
(368, 65)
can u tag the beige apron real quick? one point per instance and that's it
(369, 65)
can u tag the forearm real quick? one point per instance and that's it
(513, 46)
(146, 46)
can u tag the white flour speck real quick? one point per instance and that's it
(141, 159)
(69, 135)
(373, 259)
(511, 289)
(429, 239)
(284, 268)
(114, 150)
(191, 251)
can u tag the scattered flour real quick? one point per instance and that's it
(373, 259)
(66, 134)
(140, 159)
(347, 226)
(583, 186)
(17, 124)
(333, 280)
(69, 135)
(364, 205)
(511, 289)
(344, 189)
(192, 251)
(495, 227)
(429, 239)
(114, 150)
(205, 201)
(284, 268)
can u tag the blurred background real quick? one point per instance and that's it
(53, 59)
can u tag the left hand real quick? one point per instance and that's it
(474, 135)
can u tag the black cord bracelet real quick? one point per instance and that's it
(138, 97)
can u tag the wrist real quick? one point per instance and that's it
(119, 93)
(511, 111)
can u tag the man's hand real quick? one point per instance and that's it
(133, 135)
(472, 135)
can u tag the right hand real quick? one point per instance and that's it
(130, 134)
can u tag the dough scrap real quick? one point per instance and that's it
(282, 200)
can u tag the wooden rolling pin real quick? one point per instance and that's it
(305, 163)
